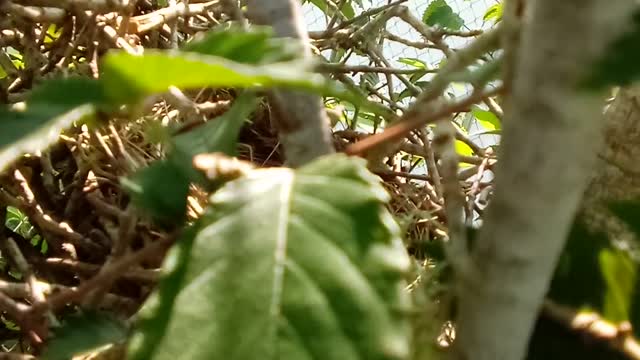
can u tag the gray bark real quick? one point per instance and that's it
(548, 150)
(303, 124)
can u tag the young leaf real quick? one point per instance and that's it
(488, 120)
(441, 14)
(161, 190)
(416, 63)
(493, 12)
(83, 333)
(619, 273)
(292, 264)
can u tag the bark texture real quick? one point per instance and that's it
(548, 151)
(303, 124)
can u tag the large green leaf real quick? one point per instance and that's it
(289, 264)
(128, 78)
(440, 13)
(82, 333)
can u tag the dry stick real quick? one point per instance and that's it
(474, 190)
(363, 15)
(415, 116)
(37, 215)
(115, 270)
(136, 275)
(414, 119)
(432, 168)
(595, 327)
(343, 68)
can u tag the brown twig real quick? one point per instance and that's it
(115, 270)
(413, 120)
(619, 337)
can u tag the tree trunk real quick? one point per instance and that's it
(548, 151)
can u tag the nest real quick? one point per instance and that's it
(71, 220)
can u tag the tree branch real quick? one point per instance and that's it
(547, 151)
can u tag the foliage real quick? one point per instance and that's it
(318, 274)
(440, 14)
(82, 333)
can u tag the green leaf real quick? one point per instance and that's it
(158, 309)
(83, 333)
(619, 273)
(620, 63)
(128, 78)
(248, 47)
(463, 149)
(493, 12)
(416, 63)
(347, 9)
(161, 190)
(220, 134)
(441, 14)
(18, 222)
(488, 120)
(51, 107)
(291, 264)
(35, 128)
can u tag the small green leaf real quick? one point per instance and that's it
(161, 190)
(347, 9)
(289, 264)
(220, 134)
(463, 149)
(83, 333)
(619, 273)
(493, 12)
(488, 120)
(416, 63)
(440, 14)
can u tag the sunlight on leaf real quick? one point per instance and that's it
(318, 274)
